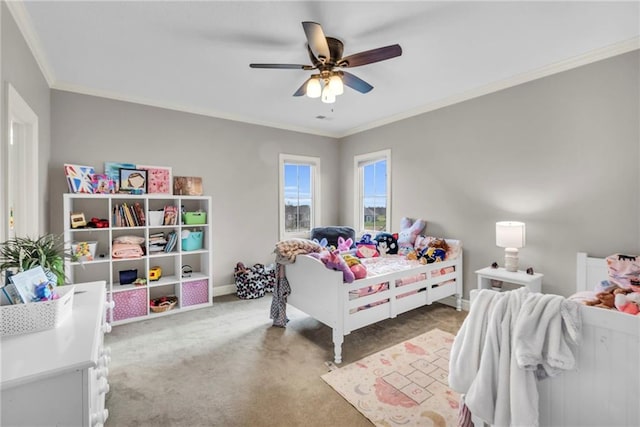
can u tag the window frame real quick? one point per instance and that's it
(314, 163)
(359, 162)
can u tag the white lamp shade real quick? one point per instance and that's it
(328, 97)
(510, 234)
(335, 83)
(314, 89)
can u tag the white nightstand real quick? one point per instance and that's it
(531, 281)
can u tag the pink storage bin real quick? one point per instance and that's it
(195, 292)
(130, 304)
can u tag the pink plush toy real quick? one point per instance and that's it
(628, 303)
(344, 245)
(334, 261)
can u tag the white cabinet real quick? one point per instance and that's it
(498, 275)
(192, 290)
(59, 376)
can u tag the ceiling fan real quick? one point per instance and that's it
(326, 56)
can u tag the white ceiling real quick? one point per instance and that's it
(194, 55)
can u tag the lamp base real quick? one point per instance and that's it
(511, 259)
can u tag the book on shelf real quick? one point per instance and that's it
(139, 213)
(170, 215)
(172, 238)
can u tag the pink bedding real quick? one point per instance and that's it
(126, 250)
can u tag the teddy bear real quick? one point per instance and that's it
(606, 298)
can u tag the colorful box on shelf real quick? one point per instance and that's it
(37, 316)
(194, 218)
(84, 251)
(191, 240)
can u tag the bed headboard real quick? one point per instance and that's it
(590, 272)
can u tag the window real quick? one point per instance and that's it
(299, 195)
(373, 191)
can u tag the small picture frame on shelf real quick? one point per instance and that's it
(102, 184)
(133, 181)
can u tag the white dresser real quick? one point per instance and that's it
(58, 377)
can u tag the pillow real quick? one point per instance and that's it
(331, 233)
(409, 230)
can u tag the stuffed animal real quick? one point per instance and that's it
(606, 298)
(334, 261)
(431, 255)
(344, 245)
(409, 230)
(390, 239)
(366, 247)
(628, 303)
(383, 250)
(357, 268)
(323, 242)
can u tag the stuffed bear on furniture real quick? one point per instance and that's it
(628, 303)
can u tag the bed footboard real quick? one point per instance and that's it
(321, 293)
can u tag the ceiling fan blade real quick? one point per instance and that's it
(283, 66)
(371, 56)
(302, 90)
(317, 40)
(355, 82)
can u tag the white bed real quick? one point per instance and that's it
(604, 390)
(322, 294)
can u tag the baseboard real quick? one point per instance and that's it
(224, 290)
(451, 301)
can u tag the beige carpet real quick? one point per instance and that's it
(403, 385)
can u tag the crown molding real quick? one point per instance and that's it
(555, 68)
(68, 87)
(21, 16)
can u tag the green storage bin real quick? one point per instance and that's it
(194, 218)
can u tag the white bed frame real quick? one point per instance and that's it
(605, 389)
(322, 294)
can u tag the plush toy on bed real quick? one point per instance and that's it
(628, 303)
(366, 247)
(334, 261)
(606, 299)
(357, 268)
(390, 240)
(344, 245)
(409, 230)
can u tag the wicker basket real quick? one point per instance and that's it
(160, 305)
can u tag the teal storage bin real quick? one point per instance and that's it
(191, 240)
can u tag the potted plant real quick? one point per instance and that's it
(23, 253)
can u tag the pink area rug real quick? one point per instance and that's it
(404, 385)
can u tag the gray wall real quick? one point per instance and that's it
(238, 163)
(20, 68)
(560, 153)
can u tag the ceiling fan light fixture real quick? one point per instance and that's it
(335, 83)
(314, 89)
(328, 97)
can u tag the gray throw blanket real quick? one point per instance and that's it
(281, 291)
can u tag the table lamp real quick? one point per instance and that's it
(510, 235)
